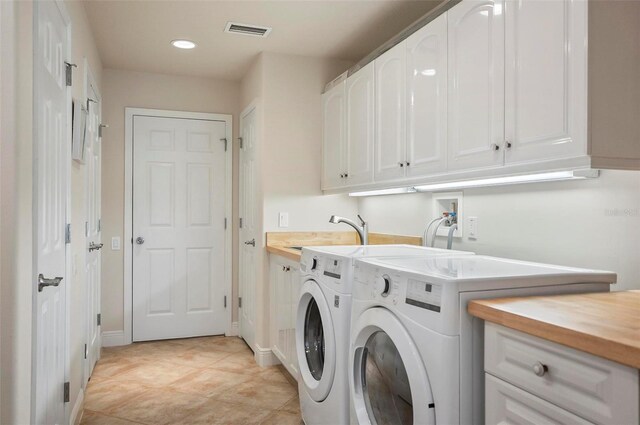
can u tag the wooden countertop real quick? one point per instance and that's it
(603, 324)
(278, 242)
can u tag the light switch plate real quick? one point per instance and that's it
(473, 227)
(283, 219)
(115, 243)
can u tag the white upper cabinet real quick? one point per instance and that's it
(334, 137)
(545, 96)
(476, 85)
(390, 152)
(426, 75)
(360, 126)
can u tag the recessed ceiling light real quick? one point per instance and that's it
(183, 44)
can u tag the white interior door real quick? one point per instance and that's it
(93, 153)
(178, 228)
(248, 228)
(51, 131)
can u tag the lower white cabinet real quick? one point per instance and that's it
(530, 380)
(285, 289)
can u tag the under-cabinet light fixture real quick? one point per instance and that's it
(385, 191)
(491, 181)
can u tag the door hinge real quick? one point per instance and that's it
(99, 224)
(99, 320)
(67, 233)
(241, 222)
(86, 351)
(69, 72)
(100, 128)
(225, 143)
(66, 392)
(240, 140)
(225, 223)
(239, 302)
(225, 301)
(86, 228)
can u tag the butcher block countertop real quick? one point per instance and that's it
(603, 324)
(278, 242)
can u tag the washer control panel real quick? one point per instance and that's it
(424, 295)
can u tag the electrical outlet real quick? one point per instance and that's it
(115, 243)
(472, 224)
(283, 219)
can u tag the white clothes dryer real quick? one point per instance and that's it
(416, 355)
(323, 324)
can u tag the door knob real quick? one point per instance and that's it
(95, 247)
(139, 240)
(43, 282)
(252, 242)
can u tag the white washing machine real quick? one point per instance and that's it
(416, 355)
(323, 324)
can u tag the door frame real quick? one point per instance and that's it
(89, 82)
(130, 113)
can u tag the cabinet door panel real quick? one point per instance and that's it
(476, 85)
(427, 99)
(360, 126)
(390, 114)
(333, 137)
(545, 79)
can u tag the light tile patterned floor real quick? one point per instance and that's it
(188, 381)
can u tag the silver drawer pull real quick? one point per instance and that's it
(540, 369)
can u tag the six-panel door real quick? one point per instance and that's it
(178, 228)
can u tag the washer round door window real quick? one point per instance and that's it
(389, 383)
(387, 394)
(315, 341)
(314, 346)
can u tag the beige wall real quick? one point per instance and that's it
(123, 89)
(586, 223)
(16, 165)
(288, 92)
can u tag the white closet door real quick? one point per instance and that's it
(390, 104)
(427, 99)
(360, 128)
(476, 84)
(250, 225)
(546, 104)
(51, 122)
(178, 228)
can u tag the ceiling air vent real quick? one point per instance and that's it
(247, 29)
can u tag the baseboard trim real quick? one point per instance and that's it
(76, 413)
(234, 331)
(113, 338)
(265, 357)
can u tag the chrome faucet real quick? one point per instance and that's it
(362, 229)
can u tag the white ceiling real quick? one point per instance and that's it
(135, 35)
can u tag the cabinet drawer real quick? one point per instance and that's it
(507, 404)
(594, 388)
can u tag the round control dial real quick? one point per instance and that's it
(383, 285)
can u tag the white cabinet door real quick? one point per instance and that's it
(333, 138)
(360, 126)
(390, 156)
(285, 285)
(427, 99)
(476, 84)
(545, 97)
